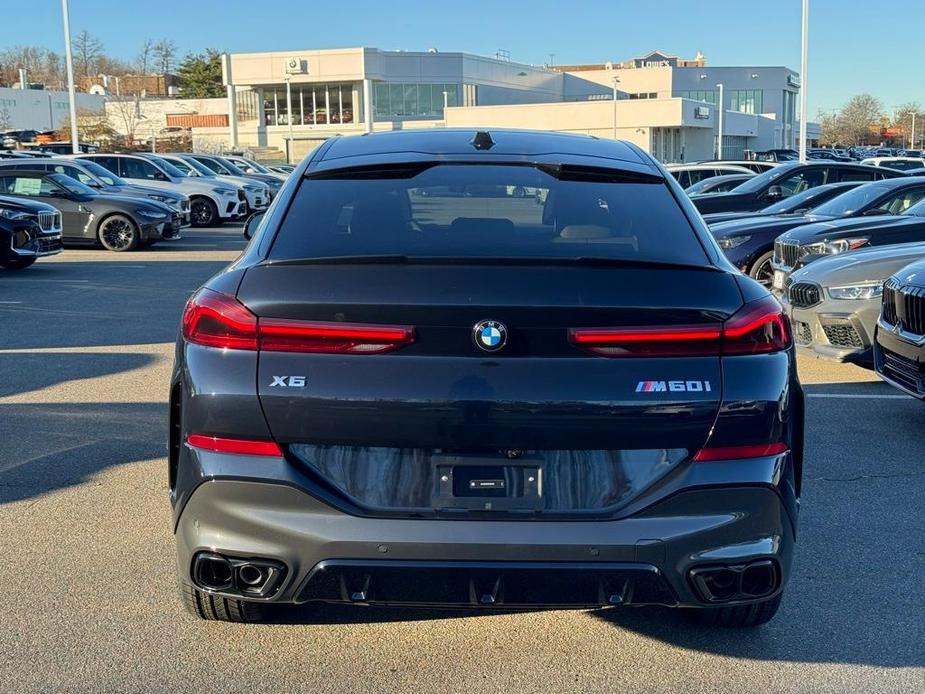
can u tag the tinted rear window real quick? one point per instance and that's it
(486, 211)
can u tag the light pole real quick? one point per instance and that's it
(446, 102)
(289, 119)
(804, 82)
(719, 134)
(616, 81)
(71, 92)
(912, 140)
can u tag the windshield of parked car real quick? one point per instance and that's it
(852, 201)
(759, 181)
(71, 185)
(105, 175)
(806, 200)
(259, 168)
(168, 168)
(490, 211)
(917, 210)
(230, 168)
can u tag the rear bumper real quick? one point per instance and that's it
(645, 558)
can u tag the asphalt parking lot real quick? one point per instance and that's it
(87, 565)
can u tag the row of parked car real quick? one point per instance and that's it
(843, 247)
(121, 201)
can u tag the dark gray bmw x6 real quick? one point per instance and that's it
(484, 369)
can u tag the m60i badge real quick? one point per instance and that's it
(674, 387)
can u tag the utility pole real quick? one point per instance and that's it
(912, 139)
(71, 92)
(804, 82)
(719, 134)
(289, 118)
(616, 81)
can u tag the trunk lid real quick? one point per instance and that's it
(444, 392)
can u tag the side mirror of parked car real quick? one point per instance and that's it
(775, 193)
(250, 226)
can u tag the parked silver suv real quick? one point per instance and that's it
(210, 202)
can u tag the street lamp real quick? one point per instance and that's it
(616, 81)
(804, 62)
(719, 134)
(71, 92)
(289, 118)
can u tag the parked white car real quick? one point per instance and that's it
(257, 193)
(253, 167)
(211, 202)
(689, 174)
(898, 163)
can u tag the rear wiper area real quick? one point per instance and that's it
(398, 259)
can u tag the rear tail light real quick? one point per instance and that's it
(238, 446)
(213, 319)
(757, 328)
(337, 338)
(760, 450)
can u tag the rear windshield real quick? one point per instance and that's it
(852, 201)
(486, 211)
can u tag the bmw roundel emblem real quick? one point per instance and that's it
(489, 335)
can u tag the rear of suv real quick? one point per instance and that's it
(493, 370)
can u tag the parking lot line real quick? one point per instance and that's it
(857, 396)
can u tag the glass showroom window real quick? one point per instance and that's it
(312, 104)
(746, 100)
(708, 95)
(392, 100)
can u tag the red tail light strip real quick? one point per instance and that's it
(760, 450)
(238, 446)
(758, 327)
(218, 320)
(338, 338)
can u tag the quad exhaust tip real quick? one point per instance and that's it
(255, 578)
(757, 579)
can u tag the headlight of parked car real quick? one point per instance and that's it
(152, 214)
(857, 291)
(732, 241)
(834, 247)
(14, 214)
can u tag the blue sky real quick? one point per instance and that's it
(848, 53)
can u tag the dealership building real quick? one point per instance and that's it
(294, 100)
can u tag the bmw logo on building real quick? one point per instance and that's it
(489, 335)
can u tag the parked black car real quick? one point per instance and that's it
(749, 243)
(786, 180)
(899, 346)
(395, 398)
(118, 222)
(28, 231)
(803, 245)
(800, 203)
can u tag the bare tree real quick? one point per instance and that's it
(828, 124)
(145, 55)
(903, 120)
(856, 118)
(164, 52)
(124, 114)
(87, 51)
(92, 126)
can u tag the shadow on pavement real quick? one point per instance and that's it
(91, 303)
(23, 372)
(67, 443)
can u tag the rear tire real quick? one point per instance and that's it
(762, 271)
(216, 608)
(737, 616)
(203, 212)
(17, 263)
